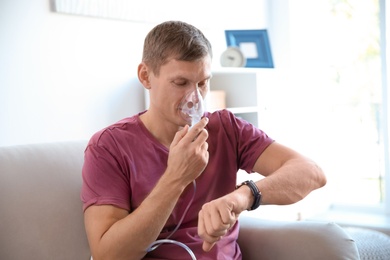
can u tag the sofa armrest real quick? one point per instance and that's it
(41, 214)
(303, 240)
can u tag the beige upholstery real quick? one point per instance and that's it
(304, 240)
(41, 214)
(40, 208)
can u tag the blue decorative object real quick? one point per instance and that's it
(254, 44)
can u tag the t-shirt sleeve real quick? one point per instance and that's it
(251, 142)
(104, 181)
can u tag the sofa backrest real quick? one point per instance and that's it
(40, 209)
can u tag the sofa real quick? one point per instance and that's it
(41, 214)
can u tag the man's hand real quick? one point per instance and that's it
(188, 155)
(216, 218)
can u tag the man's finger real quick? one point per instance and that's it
(207, 246)
(197, 129)
(179, 135)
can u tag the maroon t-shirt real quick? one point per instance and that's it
(123, 162)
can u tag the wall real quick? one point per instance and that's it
(63, 77)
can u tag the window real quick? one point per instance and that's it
(330, 102)
(357, 168)
(340, 46)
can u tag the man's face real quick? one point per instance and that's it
(177, 79)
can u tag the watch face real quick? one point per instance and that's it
(233, 57)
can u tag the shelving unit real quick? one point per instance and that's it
(242, 88)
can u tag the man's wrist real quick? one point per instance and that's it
(255, 193)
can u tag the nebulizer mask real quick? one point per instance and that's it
(192, 107)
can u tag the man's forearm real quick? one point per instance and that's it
(293, 181)
(130, 237)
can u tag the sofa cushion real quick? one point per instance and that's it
(294, 240)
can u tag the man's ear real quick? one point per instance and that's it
(143, 75)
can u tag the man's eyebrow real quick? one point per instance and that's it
(178, 78)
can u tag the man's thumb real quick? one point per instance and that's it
(207, 246)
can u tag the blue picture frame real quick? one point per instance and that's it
(255, 46)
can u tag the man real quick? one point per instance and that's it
(152, 177)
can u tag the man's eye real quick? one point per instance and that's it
(203, 84)
(180, 83)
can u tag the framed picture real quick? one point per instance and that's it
(254, 44)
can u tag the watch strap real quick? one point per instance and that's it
(255, 191)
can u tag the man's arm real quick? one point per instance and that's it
(289, 178)
(113, 233)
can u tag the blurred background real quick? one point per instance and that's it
(64, 76)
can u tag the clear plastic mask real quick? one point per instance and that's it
(192, 107)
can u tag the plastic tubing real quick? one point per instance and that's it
(192, 106)
(162, 241)
(157, 243)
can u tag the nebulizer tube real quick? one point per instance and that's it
(157, 243)
(192, 110)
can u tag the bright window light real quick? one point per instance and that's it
(355, 79)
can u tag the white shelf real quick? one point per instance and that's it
(241, 88)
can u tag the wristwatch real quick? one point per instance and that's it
(255, 191)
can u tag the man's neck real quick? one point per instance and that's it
(162, 131)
